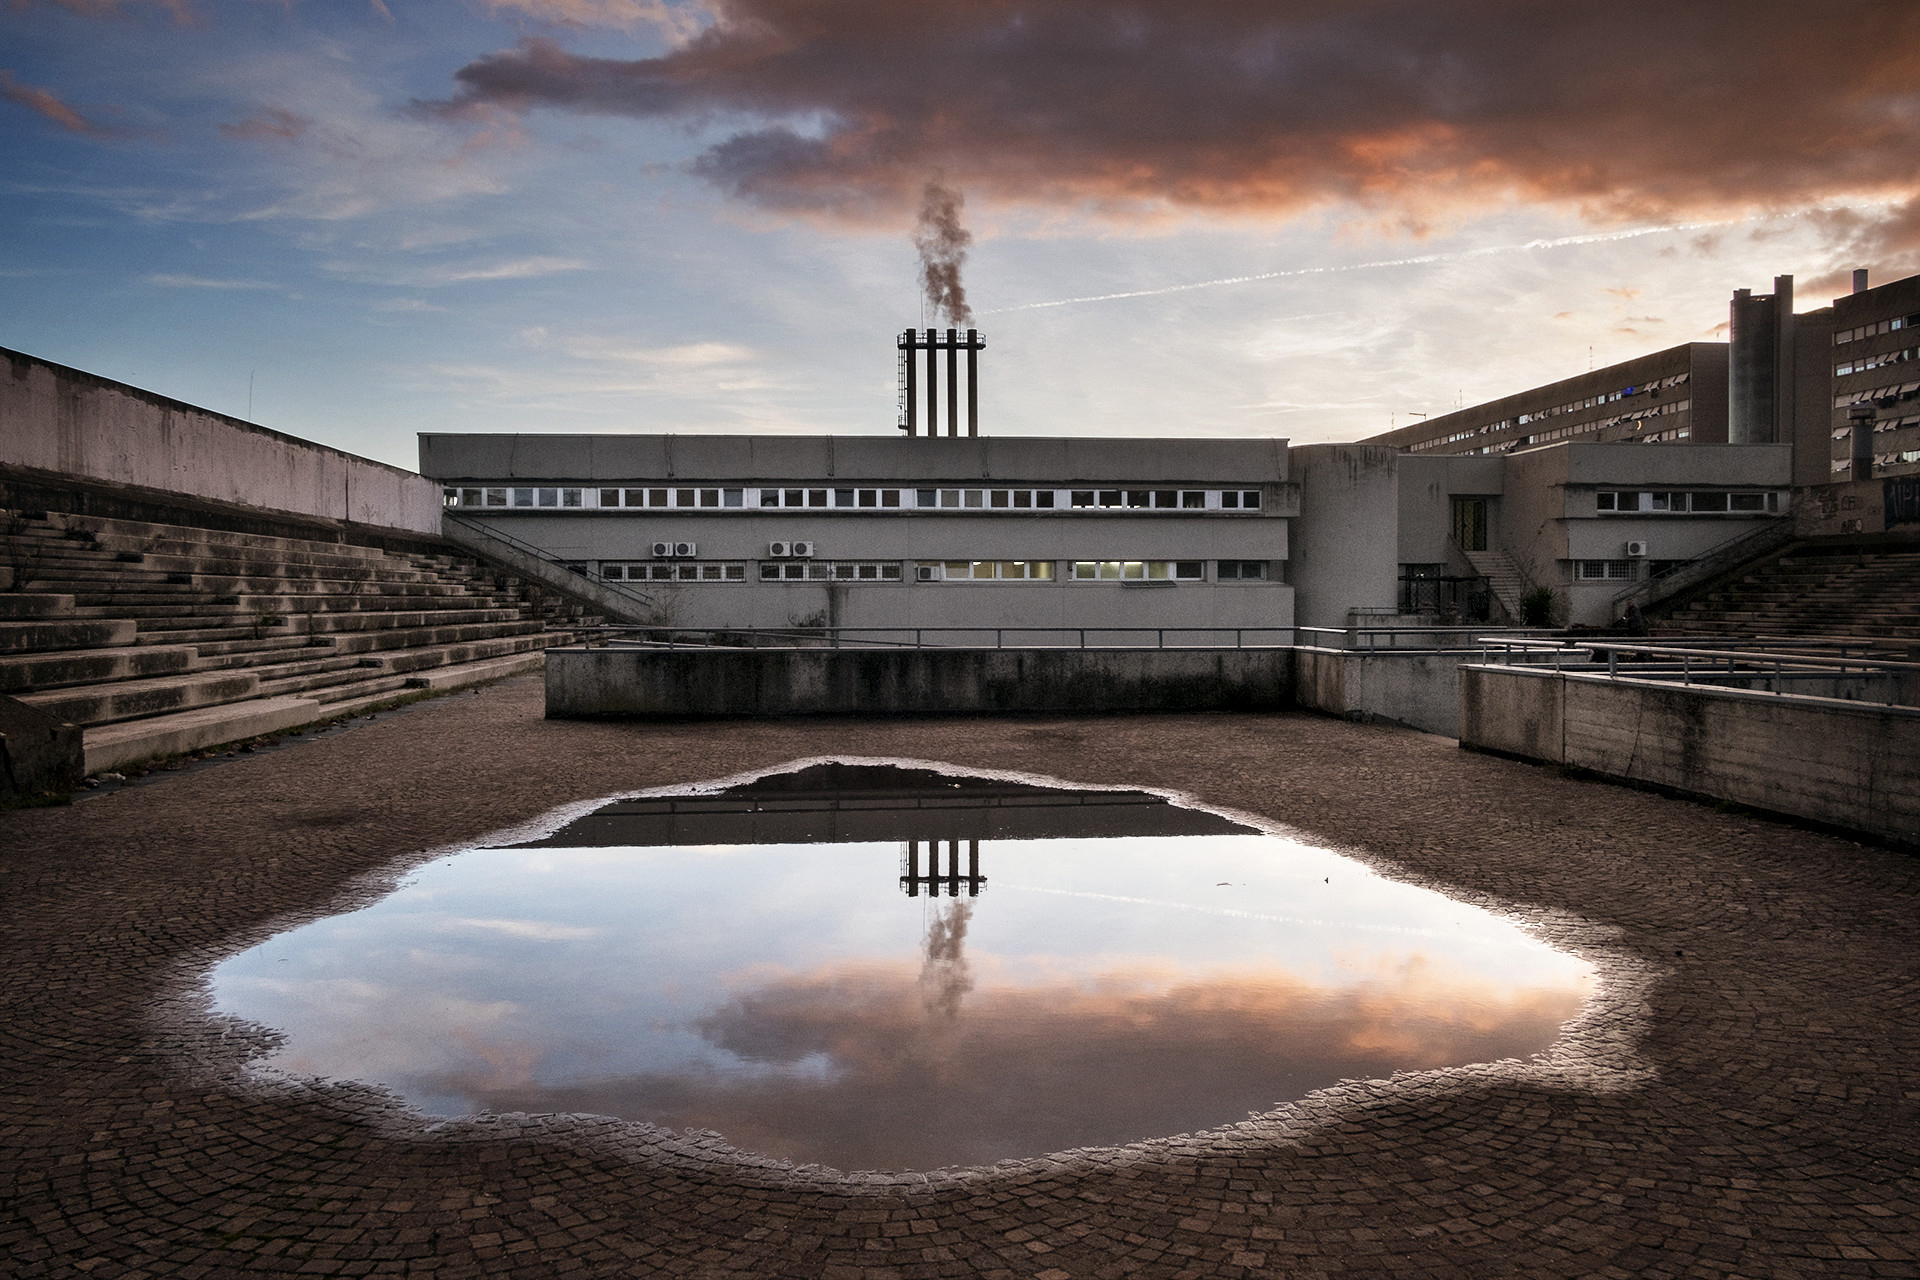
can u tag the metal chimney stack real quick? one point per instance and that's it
(933, 341)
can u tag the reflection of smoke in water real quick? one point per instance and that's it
(944, 978)
(942, 243)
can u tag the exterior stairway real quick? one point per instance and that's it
(1503, 579)
(159, 638)
(1814, 589)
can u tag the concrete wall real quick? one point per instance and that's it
(589, 683)
(1420, 690)
(1845, 764)
(61, 420)
(1346, 541)
(1428, 484)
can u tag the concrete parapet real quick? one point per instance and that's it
(1844, 764)
(696, 683)
(1416, 688)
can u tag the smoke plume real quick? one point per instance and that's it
(942, 243)
(945, 977)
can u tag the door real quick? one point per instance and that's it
(1470, 523)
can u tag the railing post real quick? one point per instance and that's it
(1613, 658)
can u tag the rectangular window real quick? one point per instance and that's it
(609, 497)
(1193, 499)
(655, 498)
(1122, 570)
(1604, 570)
(523, 497)
(570, 498)
(1167, 498)
(1604, 500)
(1705, 502)
(1023, 498)
(1230, 500)
(889, 497)
(684, 497)
(926, 497)
(733, 497)
(709, 497)
(949, 497)
(472, 498)
(816, 497)
(1243, 570)
(974, 498)
(496, 497)
(1110, 498)
(449, 497)
(1746, 502)
(1249, 499)
(1043, 498)
(1080, 497)
(549, 497)
(1189, 570)
(1139, 498)
(843, 497)
(999, 498)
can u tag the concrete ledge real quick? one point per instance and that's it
(113, 745)
(1842, 764)
(683, 683)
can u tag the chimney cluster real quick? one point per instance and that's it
(933, 341)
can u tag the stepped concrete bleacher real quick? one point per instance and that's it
(1842, 588)
(160, 638)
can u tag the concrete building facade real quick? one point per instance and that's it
(855, 531)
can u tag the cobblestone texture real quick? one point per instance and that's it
(1742, 1101)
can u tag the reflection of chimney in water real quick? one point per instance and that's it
(912, 881)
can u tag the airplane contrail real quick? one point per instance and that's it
(1488, 251)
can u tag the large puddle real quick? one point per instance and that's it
(871, 967)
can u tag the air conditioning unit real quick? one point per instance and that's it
(683, 548)
(661, 550)
(1637, 549)
(779, 550)
(803, 550)
(925, 573)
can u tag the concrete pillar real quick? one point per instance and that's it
(953, 383)
(973, 382)
(933, 386)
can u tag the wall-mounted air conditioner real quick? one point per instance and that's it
(683, 549)
(925, 573)
(1636, 549)
(779, 550)
(803, 550)
(661, 550)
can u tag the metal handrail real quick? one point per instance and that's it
(1720, 551)
(879, 637)
(538, 553)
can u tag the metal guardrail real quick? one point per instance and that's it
(1777, 666)
(526, 548)
(1369, 639)
(1749, 544)
(929, 637)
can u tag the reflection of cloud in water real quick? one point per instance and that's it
(1030, 1069)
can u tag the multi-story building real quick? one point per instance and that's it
(1676, 396)
(862, 531)
(1874, 427)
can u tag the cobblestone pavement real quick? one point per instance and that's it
(1741, 1102)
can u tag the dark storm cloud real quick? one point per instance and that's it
(847, 107)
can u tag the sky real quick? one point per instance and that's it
(1316, 219)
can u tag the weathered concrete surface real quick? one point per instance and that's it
(57, 419)
(1853, 765)
(39, 753)
(1419, 690)
(1740, 1104)
(788, 682)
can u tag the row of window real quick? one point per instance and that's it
(1869, 330)
(1873, 395)
(1682, 501)
(1879, 425)
(1878, 360)
(1575, 406)
(1663, 437)
(933, 571)
(563, 497)
(1561, 433)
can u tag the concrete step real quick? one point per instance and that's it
(137, 699)
(40, 636)
(66, 667)
(21, 605)
(115, 746)
(375, 641)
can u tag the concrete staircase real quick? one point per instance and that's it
(164, 638)
(1503, 577)
(1812, 589)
